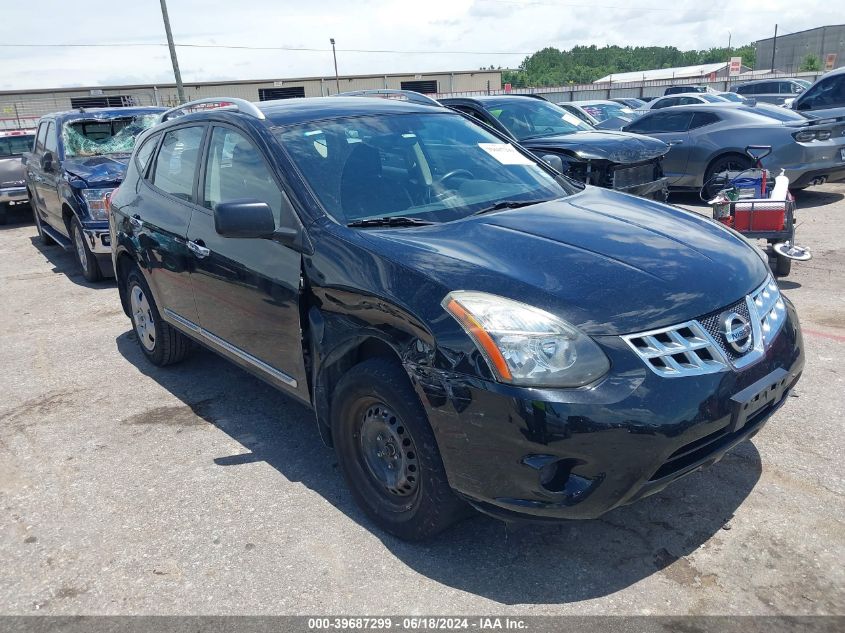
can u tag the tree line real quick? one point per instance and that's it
(585, 64)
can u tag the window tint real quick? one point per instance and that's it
(665, 103)
(177, 160)
(700, 119)
(744, 90)
(827, 93)
(235, 170)
(50, 143)
(42, 134)
(15, 145)
(688, 100)
(662, 122)
(142, 156)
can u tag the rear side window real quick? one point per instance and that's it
(700, 119)
(236, 170)
(142, 156)
(177, 160)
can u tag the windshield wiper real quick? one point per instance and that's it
(392, 220)
(509, 204)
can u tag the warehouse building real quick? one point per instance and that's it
(827, 43)
(23, 108)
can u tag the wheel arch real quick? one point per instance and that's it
(328, 367)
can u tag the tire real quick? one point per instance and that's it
(783, 266)
(4, 214)
(160, 342)
(728, 162)
(87, 261)
(377, 419)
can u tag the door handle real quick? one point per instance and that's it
(198, 248)
(136, 222)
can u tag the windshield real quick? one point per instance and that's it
(15, 145)
(604, 111)
(527, 119)
(434, 167)
(93, 137)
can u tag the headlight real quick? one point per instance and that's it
(95, 200)
(525, 345)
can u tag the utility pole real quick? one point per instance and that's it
(334, 54)
(774, 48)
(180, 89)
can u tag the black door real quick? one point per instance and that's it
(247, 290)
(167, 202)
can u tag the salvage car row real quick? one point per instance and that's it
(471, 324)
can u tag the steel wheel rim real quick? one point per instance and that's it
(142, 317)
(81, 253)
(388, 451)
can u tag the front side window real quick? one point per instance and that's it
(94, 137)
(235, 170)
(42, 136)
(662, 122)
(435, 167)
(15, 145)
(51, 142)
(535, 119)
(177, 160)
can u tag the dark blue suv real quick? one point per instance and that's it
(468, 326)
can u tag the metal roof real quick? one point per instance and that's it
(680, 72)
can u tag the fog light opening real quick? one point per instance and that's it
(555, 475)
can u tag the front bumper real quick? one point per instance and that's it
(13, 195)
(575, 454)
(98, 239)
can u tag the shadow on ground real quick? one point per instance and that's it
(65, 263)
(525, 563)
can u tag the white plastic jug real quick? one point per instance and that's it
(781, 188)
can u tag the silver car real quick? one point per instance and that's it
(689, 98)
(706, 139)
(601, 114)
(774, 91)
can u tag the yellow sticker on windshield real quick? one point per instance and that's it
(505, 153)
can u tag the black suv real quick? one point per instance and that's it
(466, 324)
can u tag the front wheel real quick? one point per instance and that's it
(783, 266)
(4, 213)
(86, 259)
(161, 343)
(388, 454)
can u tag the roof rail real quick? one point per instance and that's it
(223, 103)
(402, 95)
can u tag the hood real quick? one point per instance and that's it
(11, 171)
(607, 262)
(97, 170)
(617, 147)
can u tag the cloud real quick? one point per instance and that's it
(436, 25)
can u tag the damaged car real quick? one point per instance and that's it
(616, 160)
(469, 327)
(13, 145)
(78, 159)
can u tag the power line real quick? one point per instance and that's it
(266, 48)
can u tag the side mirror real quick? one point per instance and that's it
(245, 218)
(47, 161)
(553, 161)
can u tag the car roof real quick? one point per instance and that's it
(731, 107)
(593, 102)
(293, 111)
(494, 99)
(763, 81)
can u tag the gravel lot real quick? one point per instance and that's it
(126, 489)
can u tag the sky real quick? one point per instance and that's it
(421, 36)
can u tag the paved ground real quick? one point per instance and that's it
(198, 489)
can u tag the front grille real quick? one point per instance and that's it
(713, 325)
(771, 310)
(627, 177)
(700, 346)
(679, 350)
